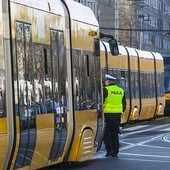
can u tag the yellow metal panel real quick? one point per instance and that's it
(44, 141)
(102, 59)
(117, 61)
(161, 106)
(133, 63)
(83, 119)
(3, 140)
(74, 148)
(17, 142)
(17, 124)
(34, 17)
(3, 127)
(125, 115)
(43, 147)
(134, 115)
(159, 66)
(81, 116)
(86, 146)
(167, 96)
(81, 30)
(19, 13)
(146, 65)
(148, 108)
(44, 121)
(3, 148)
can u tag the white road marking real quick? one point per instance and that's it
(135, 128)
(144, 130)
(143, 155)
(166, 129)
(145, 160)
(126, 143)
(140, 143)
(159, 147)
(166, 138)
(101, 154)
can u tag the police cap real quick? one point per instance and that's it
(110, 78)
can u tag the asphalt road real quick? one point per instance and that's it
(143, 147)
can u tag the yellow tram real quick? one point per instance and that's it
(51, 66)
(50, 83)
(140, 73)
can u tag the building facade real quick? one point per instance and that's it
(142, 24)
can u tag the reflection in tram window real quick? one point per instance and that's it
(23, 93)
(43, 79)
(48, 96)
(2, 94)
(85, 83)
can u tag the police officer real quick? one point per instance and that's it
(114, 105)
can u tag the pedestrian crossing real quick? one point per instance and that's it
(125, 132)
(135, 128)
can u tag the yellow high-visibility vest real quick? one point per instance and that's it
(113, 102)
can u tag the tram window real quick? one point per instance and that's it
(150, 85)
(162, 81)
(146, 85)
(132, 84)
(96, 47)
(2, 94)
(152, 88)
(62, 70)
(153, 93)
(87, 65)
(142, 78)
(85, 83)
(59, 66)
(91, 83)
(42, 79)
(126, 85)
(136, 84)
(98, 85)
(160, 84)
(123, 74)
(45, 61)
(38, 77)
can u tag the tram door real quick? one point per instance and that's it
(59, 69)
(23, 90)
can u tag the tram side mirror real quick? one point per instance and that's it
(113, 47)
(96, 48)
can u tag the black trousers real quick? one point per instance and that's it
(111, 135)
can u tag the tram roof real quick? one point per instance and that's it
(77, 11)
(122, 49)
(102, 46)
(81, 13)
(158, 56)
(132, 51)
(145, 54)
